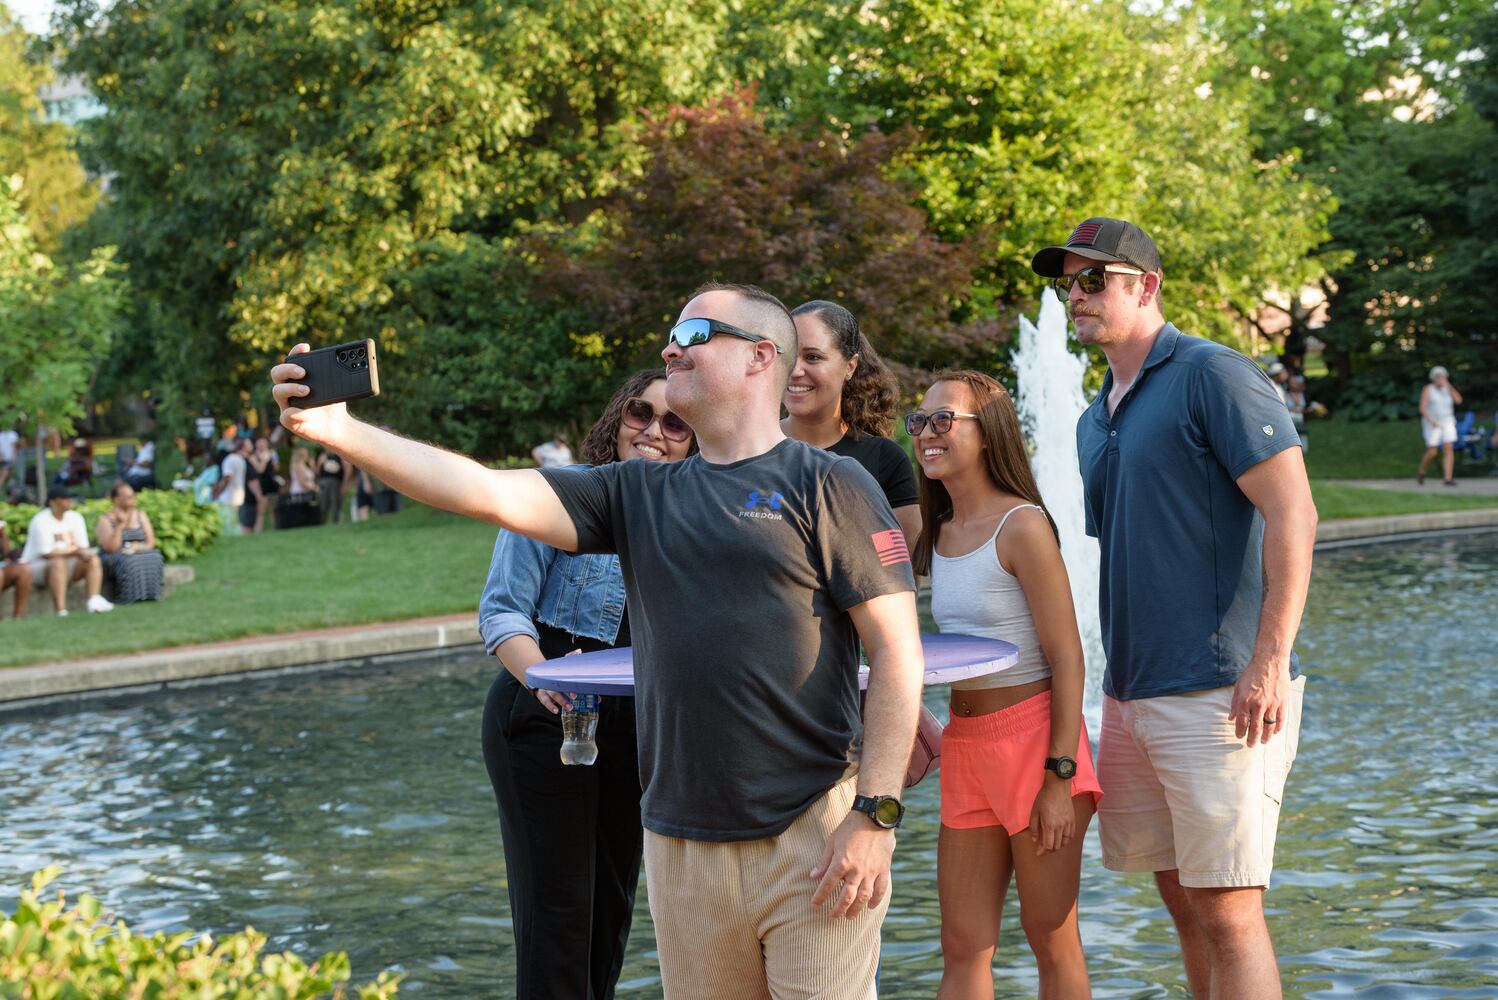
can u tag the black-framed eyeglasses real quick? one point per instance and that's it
(691, 332)
(1092, 279)
(939, 420)
(639, 414)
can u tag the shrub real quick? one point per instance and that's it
(49, 951)
(183, 528)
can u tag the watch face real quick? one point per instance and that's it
(887, 812)
(1066, 768)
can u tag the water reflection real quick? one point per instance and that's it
(351, 811)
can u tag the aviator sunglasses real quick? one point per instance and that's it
(1092, 279)
(940, 421)
(691, 332)
(639, 415)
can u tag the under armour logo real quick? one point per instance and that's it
(772, 501)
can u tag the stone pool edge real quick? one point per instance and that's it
(21, 687)
(40, 683)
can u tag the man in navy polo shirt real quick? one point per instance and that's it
(1197, 493)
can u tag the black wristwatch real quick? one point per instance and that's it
(1065, 767)
(885, 810)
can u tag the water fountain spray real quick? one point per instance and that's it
(1051, 399)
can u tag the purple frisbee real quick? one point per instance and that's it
(949, 658)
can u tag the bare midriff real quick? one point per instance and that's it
(986, 700)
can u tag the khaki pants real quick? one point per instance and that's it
(735, 920)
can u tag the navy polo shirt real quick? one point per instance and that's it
(1182, 549)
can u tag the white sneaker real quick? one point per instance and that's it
(97, 603)
(63, 613)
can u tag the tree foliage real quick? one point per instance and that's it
(807, 215)
(283, 170)
(55, 321)
(57, 193)
(1032, 116)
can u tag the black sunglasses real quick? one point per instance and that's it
(639, 415)
(691, 332)
(940, 421)
(1092, 279)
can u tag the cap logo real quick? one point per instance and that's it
(1085, 233)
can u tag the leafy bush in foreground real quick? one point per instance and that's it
(49, 951)
(183, 528)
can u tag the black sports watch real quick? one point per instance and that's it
(1065, 767)
(885, 810)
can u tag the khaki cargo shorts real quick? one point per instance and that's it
(1182, 791)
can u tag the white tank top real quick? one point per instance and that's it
(973, 595)
(1439, 407)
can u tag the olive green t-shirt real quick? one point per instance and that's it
(739, 580)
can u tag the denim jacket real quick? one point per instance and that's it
(582, 594)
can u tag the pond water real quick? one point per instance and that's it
(350, 811)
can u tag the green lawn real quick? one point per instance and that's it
(1343, 450)
(1335, 500)
(420, 562)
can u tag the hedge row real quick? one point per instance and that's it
(50, 951)
(183, 529)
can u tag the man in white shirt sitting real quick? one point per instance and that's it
(142, 472)
(57, 553)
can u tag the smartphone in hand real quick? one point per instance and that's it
(338, 374)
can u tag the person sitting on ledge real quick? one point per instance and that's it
(57, 553)
(128, 543)
(13, 573)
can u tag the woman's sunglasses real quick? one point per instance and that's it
(639, 415)
(940, 421)
(1092, 279)
(691, 332)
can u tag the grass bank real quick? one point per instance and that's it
(1344, 450)
(1335, 501)
(416, 563)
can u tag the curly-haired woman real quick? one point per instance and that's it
(843, 398)
(572, 835)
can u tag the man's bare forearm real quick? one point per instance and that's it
(896, 664)
(1289, 540)
(518, 499)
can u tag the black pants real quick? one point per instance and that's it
(572, 842)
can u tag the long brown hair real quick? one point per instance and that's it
(1004, 459)
(870, 395)
(601, 446)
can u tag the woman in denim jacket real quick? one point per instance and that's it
(571, 834)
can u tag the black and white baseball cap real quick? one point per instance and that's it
(1110, 240)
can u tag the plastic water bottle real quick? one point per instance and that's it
(580, 729)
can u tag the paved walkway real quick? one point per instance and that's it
(1476, 486)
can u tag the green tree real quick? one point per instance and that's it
(54, 321)
(1032, 116)
(57, 193)
(1418, 201)
(281, 170)
(807, 215)
(1367, 99)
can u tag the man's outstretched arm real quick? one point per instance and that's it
(518, 499)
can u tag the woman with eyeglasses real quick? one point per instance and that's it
(842, 398)
(572, 835)
(1018, 787)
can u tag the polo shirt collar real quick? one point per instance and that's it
(1160, 352)
(1163, 347)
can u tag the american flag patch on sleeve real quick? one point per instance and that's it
(890, 546)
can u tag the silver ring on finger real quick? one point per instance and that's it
(1270, 722)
